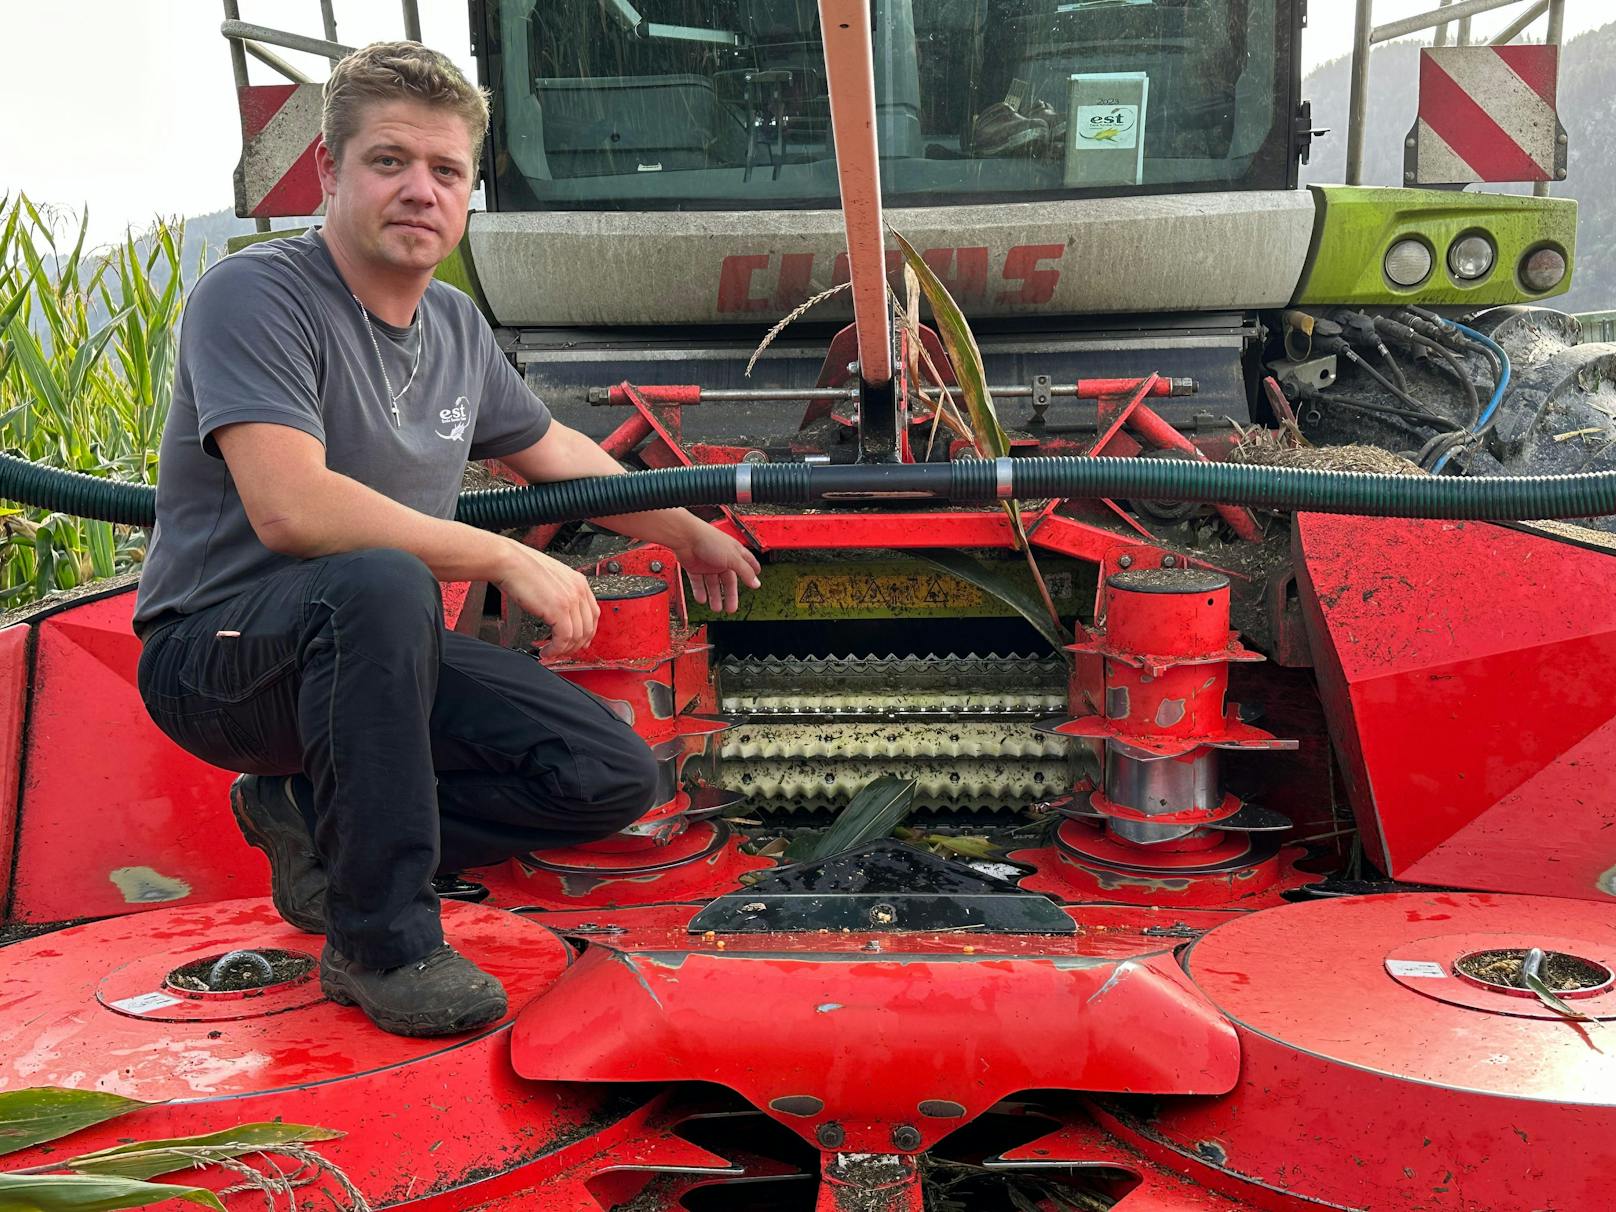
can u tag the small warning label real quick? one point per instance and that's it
(145, 1003)
(886, 592)
(1421, 968)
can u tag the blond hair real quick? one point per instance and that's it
(398, 71)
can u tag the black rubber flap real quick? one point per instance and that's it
(882, 887)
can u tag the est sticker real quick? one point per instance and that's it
(1107, 126)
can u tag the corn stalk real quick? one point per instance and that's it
(87, 346)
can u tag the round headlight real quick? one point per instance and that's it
(1544, 269)
(1408, 262)
(1471, 258)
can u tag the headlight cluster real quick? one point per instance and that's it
(1471, 258)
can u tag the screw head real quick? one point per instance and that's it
(614, 568)
(830, 1136)
(1125, 561)
(1169, 561)
(656, 565)
(905, 1137)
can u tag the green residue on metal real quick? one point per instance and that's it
(1356, 226)
(896, 588)
(456, 270)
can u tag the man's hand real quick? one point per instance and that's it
(549, 590)
(715, 564)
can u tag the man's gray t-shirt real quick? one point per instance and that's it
(272, 334)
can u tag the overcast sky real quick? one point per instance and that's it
(128, 105)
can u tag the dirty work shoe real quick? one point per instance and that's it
(270, 819)
(1001, 131)
(443, 994)
(1044, 112)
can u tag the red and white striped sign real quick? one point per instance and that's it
(1487, 113)
(275, 177)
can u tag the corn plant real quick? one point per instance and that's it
(87, 345)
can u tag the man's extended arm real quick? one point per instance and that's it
(714, 561)
(300, 507)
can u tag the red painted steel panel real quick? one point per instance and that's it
(441, 1121)
(1476, 719)
(865, 1039)
(1363, 1088)
(13, 705)
(114, 816)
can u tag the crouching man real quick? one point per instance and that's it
(327, 397)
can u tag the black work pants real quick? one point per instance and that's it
(415, 750)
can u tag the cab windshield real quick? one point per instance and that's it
(721, 104)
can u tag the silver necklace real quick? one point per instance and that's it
(387, 382)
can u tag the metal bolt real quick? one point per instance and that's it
(905, 1137)
(614, 568)
(882, 914)
(1169, 561)
(656, 565)
(1408, 176)
(830, 1136)
(1124, 561)
(1410, 143)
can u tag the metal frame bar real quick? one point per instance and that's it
(277, 37)
(1367, 35)
(850, 79)
(270, 59)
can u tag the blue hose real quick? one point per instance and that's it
(1500, 389)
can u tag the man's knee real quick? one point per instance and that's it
(618, 790)
(381, 579)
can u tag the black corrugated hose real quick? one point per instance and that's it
(1490, 498)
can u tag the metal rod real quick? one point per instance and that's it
(328, 16)
(788, 395)
(1358, 117)
(1519, 26)
(234, 29)
(412, 21)
(238, 67)
(268, 57)
(1556, 37)
(850, 80)
(1435, 17)
(1465, 38)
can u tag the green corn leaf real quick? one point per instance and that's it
(966, 358)
(103, 548)
(1558, 1005)
(89, 352)
(38, 376)
(69, 275)
(33, 1116)
(88, 1193)
(873, 813)
(150, 1158)
(990, 579)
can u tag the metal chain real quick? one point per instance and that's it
(387, 382)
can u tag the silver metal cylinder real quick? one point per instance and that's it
(1157, 787)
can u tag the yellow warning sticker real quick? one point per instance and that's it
(885, 592)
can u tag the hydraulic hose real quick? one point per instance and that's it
(1489, 498)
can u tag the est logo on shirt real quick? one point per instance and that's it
(456, 419)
